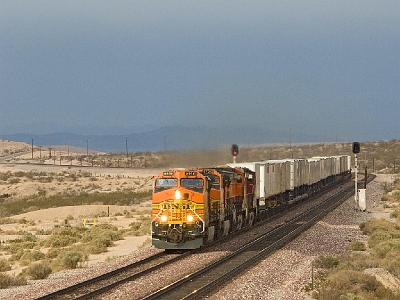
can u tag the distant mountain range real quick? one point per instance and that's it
(168, 138)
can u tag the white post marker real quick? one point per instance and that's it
(362, 201)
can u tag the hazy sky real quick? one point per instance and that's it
(325, 67)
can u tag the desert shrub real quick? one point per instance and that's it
(360, 261)
(385, 198)
(4, 265)
(52, 253)
(98, 238)
(4, 176)
(395, 214)
(111, 258)
(14, 180)
(45, 179)
(138, 229)
(8, 221)
(7, 281)
(327, 261)
(393, 266)
(135, 226)
(353, 281)
(144, 218)
(97, 246)
(39, 271)
(392, 244)
(395, 196)
(103, 214)
(57, 241)
(382, 249)
(42, 193)
(382, 235)
(70, 259)
(28, 236)
(17, 254)
(19, 174)
(29, 256)
(101, 233)
(387, 187)
(127, 214)
(371, 226)
(357, 246)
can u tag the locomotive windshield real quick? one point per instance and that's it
(165, 183)
(194, 184)
(215, 181)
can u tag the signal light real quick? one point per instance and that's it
(235, 149)
(356, 147)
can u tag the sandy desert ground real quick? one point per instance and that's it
(106, 180)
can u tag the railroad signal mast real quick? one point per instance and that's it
(356, 150)
(234, 151)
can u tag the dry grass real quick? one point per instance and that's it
(345, 277)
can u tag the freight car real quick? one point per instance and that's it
(193, 207)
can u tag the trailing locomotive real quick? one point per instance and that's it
(192, 207)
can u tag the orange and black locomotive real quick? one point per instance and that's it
(193, 207)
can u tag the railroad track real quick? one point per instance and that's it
(97, 285)
(213, 276)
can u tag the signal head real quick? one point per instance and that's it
(356, 147)
(235, 149)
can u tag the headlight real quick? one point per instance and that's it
(164, 218)
(177, 194)
(190, 218)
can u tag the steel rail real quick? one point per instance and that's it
(88, 288)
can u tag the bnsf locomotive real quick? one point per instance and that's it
(192, 207)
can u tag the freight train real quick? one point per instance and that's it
(193, 207)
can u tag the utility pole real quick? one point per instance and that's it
(373, 165)
(365, 177)
(68, 146)
(49, 149)
(32, 148)
(126, 146)
(87, 150)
